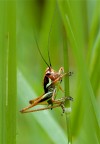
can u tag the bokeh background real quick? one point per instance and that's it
(80, 21)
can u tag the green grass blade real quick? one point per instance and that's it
(7, 72)
(93, 29)
(3, 51)
(94, 67)
(11, 74)
(67, 102)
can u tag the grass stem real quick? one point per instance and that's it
(66, 82)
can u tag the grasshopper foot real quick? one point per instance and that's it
(70, 73)
(69, 98)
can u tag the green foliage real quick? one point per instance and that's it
(80, 21)
(8, 79)
(2, 73)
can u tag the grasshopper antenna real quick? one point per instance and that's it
(40, 52)
(49, 46)
(49, 36)
(49, 65)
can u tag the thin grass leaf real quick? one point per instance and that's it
(3, 51)
(8, 72)
(67, 103)
(93, 29)
(11, 74)
(94, 67)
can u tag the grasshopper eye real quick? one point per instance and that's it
(48, 73)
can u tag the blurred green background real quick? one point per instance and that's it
(22, 69)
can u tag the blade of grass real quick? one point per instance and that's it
(93, 29)
(3, 50)
(94, 66)
(11, 74)
(67, 102)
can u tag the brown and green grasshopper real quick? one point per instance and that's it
(52, 81)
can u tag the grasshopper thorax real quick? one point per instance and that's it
(50, 76)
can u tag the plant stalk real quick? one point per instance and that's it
(66, 83)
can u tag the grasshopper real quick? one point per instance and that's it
(51, 83)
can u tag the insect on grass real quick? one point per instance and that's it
(51, 83)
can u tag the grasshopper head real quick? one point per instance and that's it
(50, 73)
